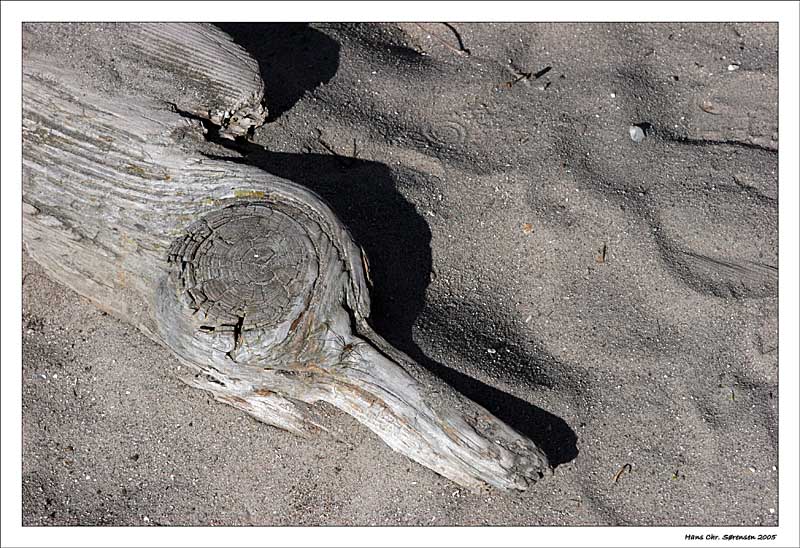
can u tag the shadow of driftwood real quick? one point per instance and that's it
(363, 194)
(293, 58)
(549, 432)
(397, 241)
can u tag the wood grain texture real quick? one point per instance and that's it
(249, 279)
(195, 67)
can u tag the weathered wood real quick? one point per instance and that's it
(197, 68)
(249, 279)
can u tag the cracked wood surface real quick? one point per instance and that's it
(249, 279)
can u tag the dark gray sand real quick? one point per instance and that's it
(614, 300)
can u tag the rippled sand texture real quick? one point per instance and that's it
(615, 301)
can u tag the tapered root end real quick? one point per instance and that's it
(530, 466)
(499, 455)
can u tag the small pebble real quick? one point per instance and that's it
(636, 133)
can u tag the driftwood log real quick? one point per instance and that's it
(249, 279)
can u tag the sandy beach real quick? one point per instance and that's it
(574, 225)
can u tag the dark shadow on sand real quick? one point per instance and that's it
(397, 242)
(293, 58)
(549, 432)
(364, 196)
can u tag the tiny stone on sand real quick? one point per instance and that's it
(636, 133)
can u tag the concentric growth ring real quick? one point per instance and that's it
(247, 265)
